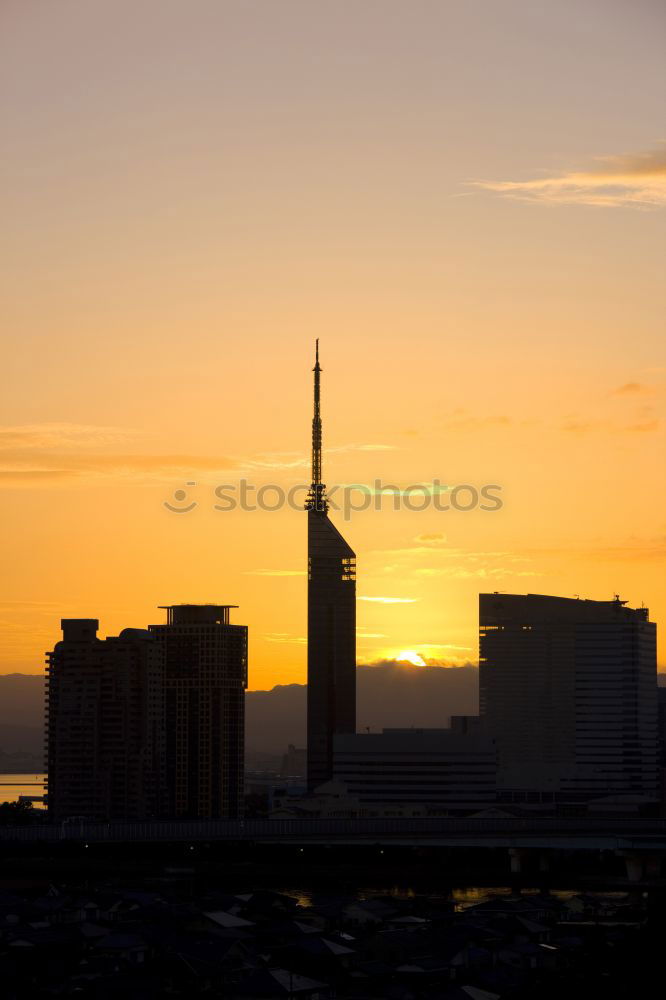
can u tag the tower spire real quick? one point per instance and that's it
(316, 499)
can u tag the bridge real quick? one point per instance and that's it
(528, 832)
(641, 842)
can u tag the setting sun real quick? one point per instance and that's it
(446, 247)
(411, 656)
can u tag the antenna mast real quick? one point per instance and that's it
(316, 499)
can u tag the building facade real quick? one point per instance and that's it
(436, 770)
(568, 690)
(331, 702)
(331, 697)
(205, 671)
(105, 733)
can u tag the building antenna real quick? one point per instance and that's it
(316, 499)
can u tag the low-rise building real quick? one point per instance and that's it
(427, 771)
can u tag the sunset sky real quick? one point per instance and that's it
(463, 201)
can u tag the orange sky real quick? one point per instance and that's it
(465, 206)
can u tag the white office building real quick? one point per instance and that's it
(568, 689)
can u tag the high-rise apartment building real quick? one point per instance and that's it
(205, 671)
(105, 724)
(148, 723)
(568, 691)
(331, 705)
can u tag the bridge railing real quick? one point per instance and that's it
(319, 829)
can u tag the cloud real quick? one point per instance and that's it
(25, 467)
(644, 427)
(468, 555)
(481, 572)
(440, 645)
(608, 426)
(615, 181)
(631, 389)
(29, 605)
(439, 561)
(397, 667)
(631, 551)
(49, 454)
(20, 477)
(275, 572)
(461, 420)
(412, 490)
(361, 447)
(390, 600)
(634, 549)
(149, 463)
(433, 538)
(298, 460)
(278, 460)
(421, 655)
(62, 435)
(284, 637)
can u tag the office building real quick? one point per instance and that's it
(331, 699)
(105, 734)
(441, 770)
(568, 690)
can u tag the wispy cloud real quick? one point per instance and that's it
(413, 489)
(479, 572)
(284, 637)
(643, 427)
(299, 460)
(439, 645)
(396, 665)
(434, 560)
(63, 435)
(432, 538)
(451, 553)
(20, 477)
(612, 182)
(462, 420)
(634, 549)
(30, 605)
(23, 467)
(361, 447)
(278, 460)
(74, 454)
(390, 600)
(275, 572)
(574, 426)
(632, 389)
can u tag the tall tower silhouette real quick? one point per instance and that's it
(331, 619)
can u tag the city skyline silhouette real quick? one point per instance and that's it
(332, 484)
(465, 208)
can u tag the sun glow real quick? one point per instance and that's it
(411, 656)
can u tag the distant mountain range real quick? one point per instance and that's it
(389, 694)
(21, 722)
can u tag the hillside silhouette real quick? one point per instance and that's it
(389, 694)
